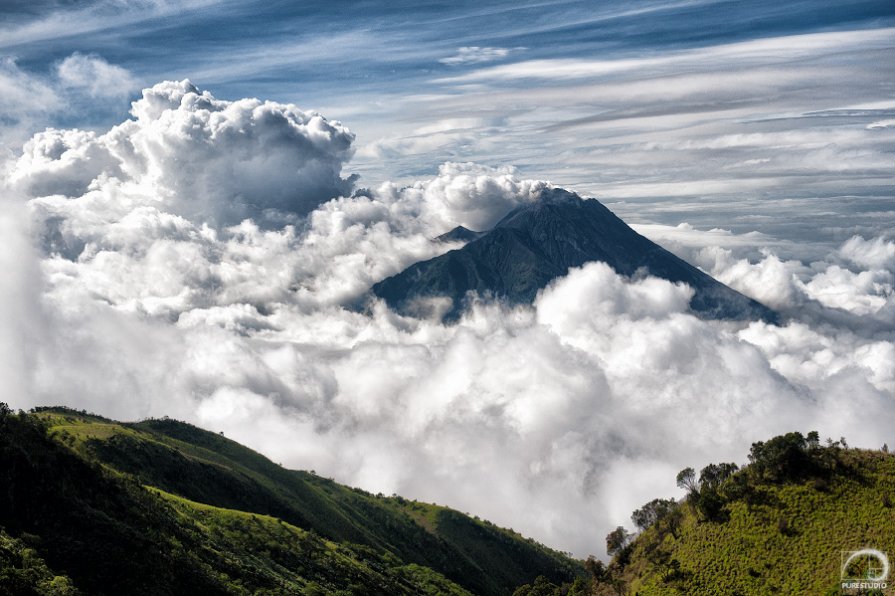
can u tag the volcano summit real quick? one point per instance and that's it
(538, 242)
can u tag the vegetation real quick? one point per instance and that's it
(776, 526)
(163, 507)
(93, 506)
(24, 572)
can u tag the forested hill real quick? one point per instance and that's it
(93, 506)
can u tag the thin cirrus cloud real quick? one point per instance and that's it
(477, 55)
(181, 307)
(791, 47)
(42, 22)
(769, 118)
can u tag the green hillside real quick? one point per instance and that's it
(163, 507)
(777, 526)
(93, 506)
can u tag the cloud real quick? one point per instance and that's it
(205, 159)
(792, 47)
(451, 136)
(857, 278)
(465, 194)
(95, 76)
(759, 134)
(21, 320)
(64, 19)
(24, 99)
(476, 55)
(23, 93)
(877, 253)
(79, 86)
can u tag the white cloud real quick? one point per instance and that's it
(22, 92)
(877, 253)
(205, 159)
(446, 137)
(95, 76)
(21, 320)
(90, 17)
(465, 194)
(476, 55)
(774, 48)
(774, 128)
(24, 100)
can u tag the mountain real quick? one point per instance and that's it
(538, 242)
(93, 506)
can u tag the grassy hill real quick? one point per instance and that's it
(163, 507)
(777, 526)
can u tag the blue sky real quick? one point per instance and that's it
(672, 111)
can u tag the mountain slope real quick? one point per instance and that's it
(233, 517)
(538, 242)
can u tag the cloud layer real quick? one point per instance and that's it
(204, 261)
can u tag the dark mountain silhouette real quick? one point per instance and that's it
(539, 242)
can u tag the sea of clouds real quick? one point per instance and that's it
(210, 260)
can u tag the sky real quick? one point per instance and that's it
(196, 195)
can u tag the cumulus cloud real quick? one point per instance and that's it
(465, 194)
(828, 288)
(852, 284)
(876, 253)
(198, 157)
(166, 278)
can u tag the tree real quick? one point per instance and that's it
(617, 540)
(813, 439)
(597, 569)
(713, 475)
(540, 587)
(673, 520)
(786, 457)
(651, 513)
(686, 479)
